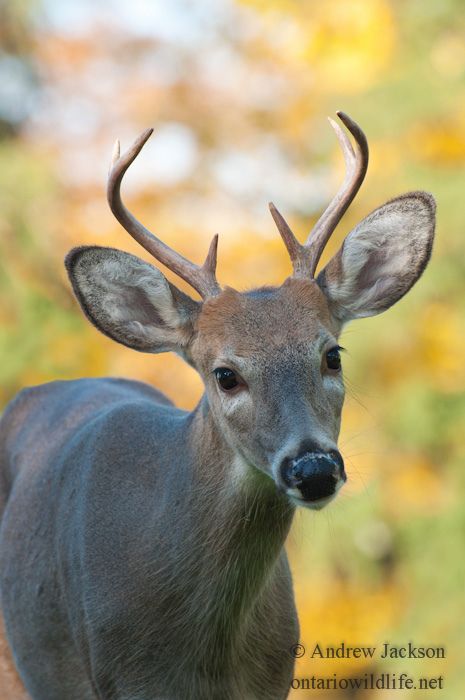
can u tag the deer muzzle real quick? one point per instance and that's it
(312, 479)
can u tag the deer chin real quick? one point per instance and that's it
(318, 504)
(310, 505)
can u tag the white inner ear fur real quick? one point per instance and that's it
(382, 257)
(118, 280)
(382, 239)
(128, 298)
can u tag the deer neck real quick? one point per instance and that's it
(244, 521)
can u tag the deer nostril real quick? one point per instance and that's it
(337, 458)
(316, 475)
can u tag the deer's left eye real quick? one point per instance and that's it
(226, 378)
(333, 358)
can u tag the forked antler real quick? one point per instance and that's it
(305, 257)
(202, 278)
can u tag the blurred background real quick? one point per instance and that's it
(238, 92)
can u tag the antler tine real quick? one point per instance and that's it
(305, 257)
(294, 248)
(356, 168)
(203, 278)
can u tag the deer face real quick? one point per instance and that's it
(269, 358)
(274, 393)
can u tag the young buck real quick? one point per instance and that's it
(142, 546)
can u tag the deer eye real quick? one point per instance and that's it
(226, 378)
(333, 358)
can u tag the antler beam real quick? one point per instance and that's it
(202, 279)
(305, 257)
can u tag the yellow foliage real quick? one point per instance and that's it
(344, 44)
(336, 612)
(437, 336)
(448, 54)
(429, 349)
(441, 142)
(413, 484)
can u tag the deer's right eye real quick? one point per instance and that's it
(333, 358)
(226, 378)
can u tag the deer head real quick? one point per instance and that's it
(269, 358)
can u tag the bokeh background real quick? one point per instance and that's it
(238, 92)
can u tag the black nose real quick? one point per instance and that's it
(315, 474)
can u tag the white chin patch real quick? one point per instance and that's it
(296, 497)
(311, 505)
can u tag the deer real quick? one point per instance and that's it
(142, 547)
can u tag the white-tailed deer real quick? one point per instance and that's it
(142, 546)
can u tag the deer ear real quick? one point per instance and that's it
(381, 258)
(130, 300)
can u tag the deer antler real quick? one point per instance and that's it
(305, 257)
(202, 278)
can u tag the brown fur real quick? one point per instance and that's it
(283, 316)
